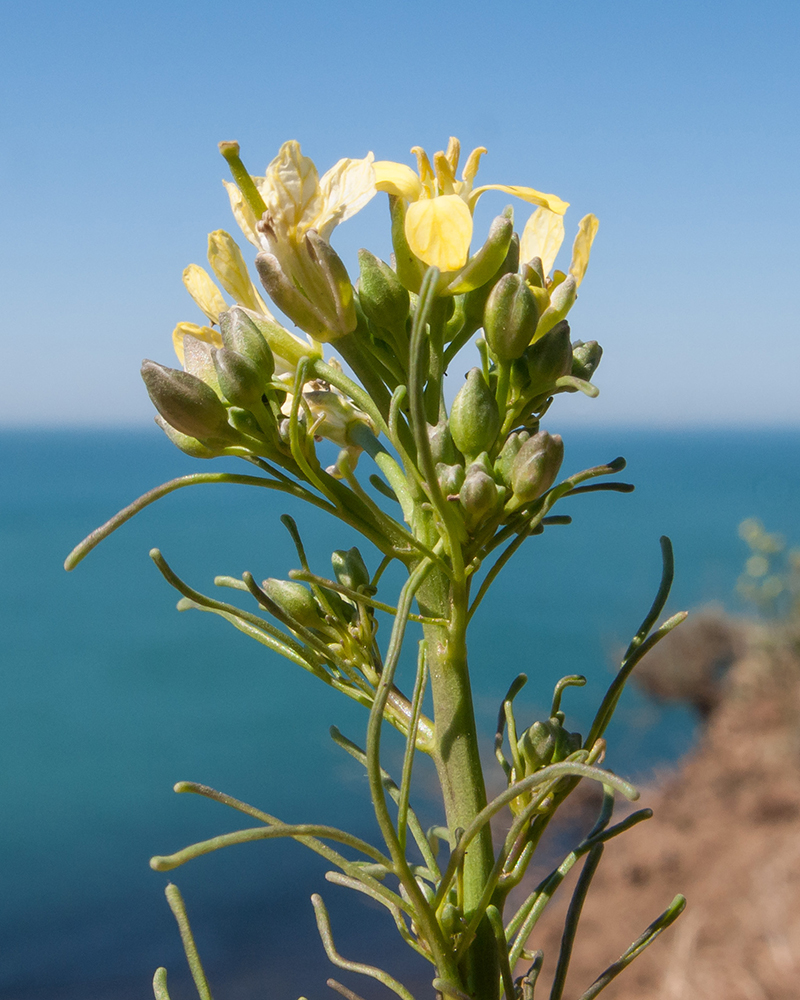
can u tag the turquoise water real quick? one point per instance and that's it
(110, 695)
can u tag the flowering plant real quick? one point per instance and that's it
(454, 493)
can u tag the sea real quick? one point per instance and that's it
(110, 695)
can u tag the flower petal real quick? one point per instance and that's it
(202, 289)
(291, 191)
(439, 231)
(397, 178)
(542, 237)
(587, 230)
(228, 264)
(551, 201)
(204, 333)
(345, 188)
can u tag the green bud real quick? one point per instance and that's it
(288, 299)
(585, 359)
(546, 743)
(478, 496)
(533, 273)
(186, 403)
(189, 445)
(509, 451)
(349, 568)
(474, 417)
(239, 378)
(410, 270)
(338, 281)
(536, 466)
(240, 334)
(442, 447)
(295, 599)
(483, 265)
(562, 299)
(475, 301)
(383, 298)
(244, 422)
(450, 477)
(510, 318)
(548, 358)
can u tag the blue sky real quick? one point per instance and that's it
(675, 122)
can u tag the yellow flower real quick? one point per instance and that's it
(544, 234)
(438, 224)
(297, 199)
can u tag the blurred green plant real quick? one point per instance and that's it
(771, 577)
(454, 494)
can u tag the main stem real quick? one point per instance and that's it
(458, 764)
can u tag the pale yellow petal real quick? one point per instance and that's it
(397, 178)
(472, 164)
(453, 153)
(439, 231)
(551, 201)
(345, 188)
(228, 264)
(587, 230)
(202, 289)
(242, 212)
(291, 190)
(542, 237)
(204, 333)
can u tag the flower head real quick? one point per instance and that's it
(438, 223)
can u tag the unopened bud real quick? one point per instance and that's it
(288, 299)
(478, 496)
(239, 378)
(536, 466)
(562, 299)
(349, 568)
(344, 319)
(240, 334)
(548, 358)
(189, 445)
(475, 301)
(450, 478)
(283, 344)
(442, 447)
(509, 451)
(510, 318)
(382, 296)
(585, 359)
(186, 403)
(474, 417)
(484, 264)
(546, 743)
(295, 599)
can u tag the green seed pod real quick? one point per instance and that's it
(510, 318)
(450, 477)
(295, 599)
(585, 359)
(536, 466)
(474, 417)
(239, 378)
(478, 496)
(509, 451)
(383, 298)
(349, 568)
(186, 403)
(548, 359)
(240, 334)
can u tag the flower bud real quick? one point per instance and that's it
(478, 496)
(343, 313)
(562, 299)
(239, 378)
(202, 289)
(546, 743)
(536, 466)
(295, 599)
(450, 477)
(410, 270)
(483, 265)
(186, 403)
(240, 334)
(349, 568)
(585, 359)
(474, 417)
(283, 344)
(548, 358)
(510, 318)
(382, 296)
(509, 451)
(189, 445)
(288, 299)
(442, 447)
(475, 301)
